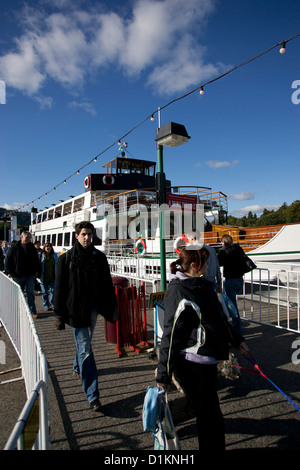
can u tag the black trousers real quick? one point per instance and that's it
(200, 385)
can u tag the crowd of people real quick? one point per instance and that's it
(78, 286)
(32, 268)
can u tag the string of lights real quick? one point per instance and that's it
(199, 88)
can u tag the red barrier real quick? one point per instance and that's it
(131, 328)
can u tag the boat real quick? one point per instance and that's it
(122, 203)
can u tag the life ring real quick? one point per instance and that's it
(138, 246)
(108, 180)
(176, 242)
(87, 182)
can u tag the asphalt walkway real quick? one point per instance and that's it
(256, 415)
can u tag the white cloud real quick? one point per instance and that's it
(159, 38)
(255, 209)
(45, 102)
(245, 196)
(84, 105)
(13, 206)
(21, 69)
(221, 164)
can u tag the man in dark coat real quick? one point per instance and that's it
(84, 289)
(23, 265)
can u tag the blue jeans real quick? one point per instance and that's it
(27, 282)
(233, 287)
(48, 291)
(84, 362)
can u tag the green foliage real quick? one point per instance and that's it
(284, 215)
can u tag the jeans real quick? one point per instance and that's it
(84, 362)
(233, 287)
(27, 282)
(48, 291)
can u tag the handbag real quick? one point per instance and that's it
(248, 264)
(228, 306)
(165, 436)
(151, 408)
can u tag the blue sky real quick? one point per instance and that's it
(80, 74)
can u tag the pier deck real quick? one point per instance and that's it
(256, 415)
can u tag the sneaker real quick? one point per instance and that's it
(35, 315)
(95, 405)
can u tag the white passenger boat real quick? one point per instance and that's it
(123, 205)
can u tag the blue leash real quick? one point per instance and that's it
(253, 361)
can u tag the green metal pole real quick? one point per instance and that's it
(160, 169)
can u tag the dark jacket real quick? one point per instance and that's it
(21, 261)
(194, 322)
(83, 283)
(232, 261)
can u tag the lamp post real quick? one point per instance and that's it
(169, 135)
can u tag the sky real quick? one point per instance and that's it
(78, 75)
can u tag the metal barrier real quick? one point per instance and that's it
(131, 327)
(271, 296)
(19, 325)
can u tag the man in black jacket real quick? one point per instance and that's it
(22, 264)
(84, 289)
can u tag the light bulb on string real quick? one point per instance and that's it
(65, 182)
(282, 49)
(95, 159)
(152, 118)
(78, 172)
(201, 90)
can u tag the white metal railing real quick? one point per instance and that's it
(271, 296)
(19, 325)
(271, 293)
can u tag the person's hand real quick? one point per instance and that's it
(165, 387)
(243, 349)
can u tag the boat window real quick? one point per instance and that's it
(67, 208)
(50, 214)
(58, 212)
(73, 238)
(53, 239)
(59, 239)
(48, 238)
(67, 239)
(39, 218)
(78, 204)
(43, 239)
(44, 216)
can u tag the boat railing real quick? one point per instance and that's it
(122, 202)
(248, 238)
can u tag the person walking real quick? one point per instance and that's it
(48, 271)
(196, 336)
(84, 289)
(213, 272)
(231, 257)
(23, 266)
